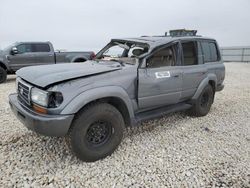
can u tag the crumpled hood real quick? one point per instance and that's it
(45, 75)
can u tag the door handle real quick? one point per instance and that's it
(176, 76)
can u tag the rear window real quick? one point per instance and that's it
(210, 51)
(40, 48)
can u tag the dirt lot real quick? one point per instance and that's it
(176, 150)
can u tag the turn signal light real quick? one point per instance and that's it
(40, 109)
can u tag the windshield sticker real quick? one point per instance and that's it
(165, 74)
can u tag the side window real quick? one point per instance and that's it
(210, 51)
(213, 51)
(206, 51)
(162, 58)
(200, 54)
(189, 53)
(40, 48)
(24, 48)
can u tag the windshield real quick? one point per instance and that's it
(124, 51)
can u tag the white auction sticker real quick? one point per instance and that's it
(164, 74)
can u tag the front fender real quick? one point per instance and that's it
(203, 84)
(97, 93)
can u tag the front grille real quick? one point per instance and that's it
(23, 91)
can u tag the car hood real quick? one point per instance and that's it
(46, 75)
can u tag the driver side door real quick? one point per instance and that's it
(160, 82)
(24, 57)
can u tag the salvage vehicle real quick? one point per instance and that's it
(23, 54)
(130, 80)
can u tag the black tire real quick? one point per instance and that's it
(3, 75)
(202, 105)
(96, 132)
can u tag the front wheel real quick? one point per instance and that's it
(3, 75)
(203, 103)
(96, 132)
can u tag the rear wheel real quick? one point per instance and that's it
(3, 75)
(96, 132)
(202, 105)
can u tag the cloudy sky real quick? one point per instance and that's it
(90, 24)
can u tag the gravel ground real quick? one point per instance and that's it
(174, 151)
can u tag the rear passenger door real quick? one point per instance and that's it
(192, 67)
(42, 54)
(160, 81)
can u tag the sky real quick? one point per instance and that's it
(89, 24)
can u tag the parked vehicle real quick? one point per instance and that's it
(131, 80)
(23, 54)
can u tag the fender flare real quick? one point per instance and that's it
(2, 64)
(97, 93)
(203, 84)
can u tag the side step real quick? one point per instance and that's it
(159, 112)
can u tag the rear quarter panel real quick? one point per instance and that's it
(217, 68)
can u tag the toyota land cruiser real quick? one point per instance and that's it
(130, 80)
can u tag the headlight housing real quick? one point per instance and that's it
(55, 99)
(45, 98)
(39, 97)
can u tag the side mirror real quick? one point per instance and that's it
(14, 51)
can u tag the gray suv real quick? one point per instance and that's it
(131, 80)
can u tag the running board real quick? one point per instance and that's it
(159, 112)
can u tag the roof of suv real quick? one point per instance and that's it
(161, 40)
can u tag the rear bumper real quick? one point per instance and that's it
(220, 87)
(49, 125)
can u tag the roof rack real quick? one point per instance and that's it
(181, 33)
(177, 33)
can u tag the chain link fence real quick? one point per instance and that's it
(236, 54)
